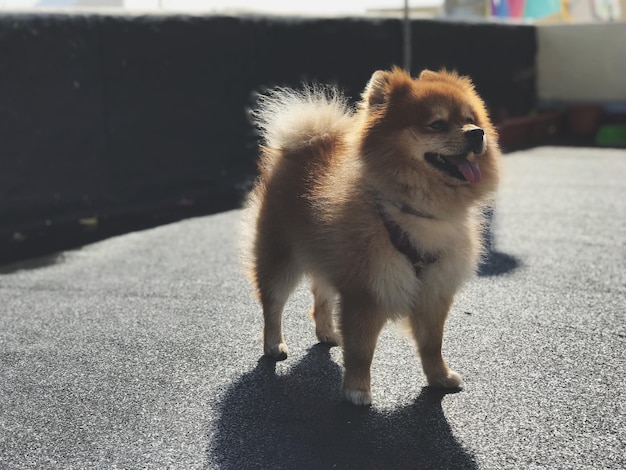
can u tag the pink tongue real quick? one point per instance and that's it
(470, 171)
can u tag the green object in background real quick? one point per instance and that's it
(537, 9)
(612, 135)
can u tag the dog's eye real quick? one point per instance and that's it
(471, 120)
(438, 125)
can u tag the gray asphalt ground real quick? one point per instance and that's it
(144, 351)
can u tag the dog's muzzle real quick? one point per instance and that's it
(475, 140)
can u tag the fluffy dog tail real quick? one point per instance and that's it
(290, 120)
(294, 124)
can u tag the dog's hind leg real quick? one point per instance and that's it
(324, 298)
(276, 277)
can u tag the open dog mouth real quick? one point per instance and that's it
(457, 166)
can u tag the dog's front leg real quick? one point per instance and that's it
(427, 324)
(360, 326)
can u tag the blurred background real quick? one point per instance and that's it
(517, 10)
(123, 114)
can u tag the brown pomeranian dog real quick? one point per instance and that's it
(380, 207)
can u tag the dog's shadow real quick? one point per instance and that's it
(298, 421)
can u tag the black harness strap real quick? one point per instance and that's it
(419, 259)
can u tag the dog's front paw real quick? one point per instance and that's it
(450, 380)
(357, 397)
(278, 351)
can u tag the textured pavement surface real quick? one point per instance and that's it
(144, 350)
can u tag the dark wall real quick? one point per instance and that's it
(131, 116)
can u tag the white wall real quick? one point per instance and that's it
(582, 62)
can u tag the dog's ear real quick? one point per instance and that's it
(377, 89)
(447, 76)
(383, 84)
(428, 75)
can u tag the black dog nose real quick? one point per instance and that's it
(475, 139)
